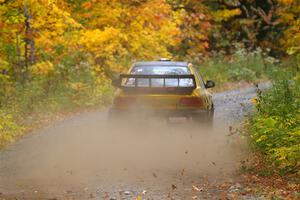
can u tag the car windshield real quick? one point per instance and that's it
(159, 82)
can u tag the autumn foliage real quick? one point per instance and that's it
(60, 55)
(110, 34)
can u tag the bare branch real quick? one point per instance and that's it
(266, 17)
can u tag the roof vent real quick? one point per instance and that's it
(164, 59)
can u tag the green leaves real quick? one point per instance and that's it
(275, 128)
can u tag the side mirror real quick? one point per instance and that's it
(115, 82)
(209, 84)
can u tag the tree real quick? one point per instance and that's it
(32, 29)
(140, 29)
(194, 22)
(250, 23)
(291, 15)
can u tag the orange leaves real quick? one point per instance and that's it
(87, 5)
(116, 31)
(193, 20)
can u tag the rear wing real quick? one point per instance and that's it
(138, 83)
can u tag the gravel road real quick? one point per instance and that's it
(84, 157)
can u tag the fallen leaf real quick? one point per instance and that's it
(182, 172)
(195, 188)
(106, 195)
(174, 187)
(68, 191)
(154, 175)
(127, 192)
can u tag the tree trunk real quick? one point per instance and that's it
(16, 66)
(29, 51)
(27, 27)
(32, 50)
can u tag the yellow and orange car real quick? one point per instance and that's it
(165, 88)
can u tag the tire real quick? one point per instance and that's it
(210, 117)
(204, 119)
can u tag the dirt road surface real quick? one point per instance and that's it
(85, 157)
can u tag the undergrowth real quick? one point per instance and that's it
(241, 67)
(275, 126)
(49, 91)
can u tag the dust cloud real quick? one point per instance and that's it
(89, 151)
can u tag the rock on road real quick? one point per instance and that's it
(84, 157)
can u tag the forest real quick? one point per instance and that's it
(59, 56)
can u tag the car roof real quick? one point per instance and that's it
(161, 63)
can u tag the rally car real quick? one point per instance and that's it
(163, 88)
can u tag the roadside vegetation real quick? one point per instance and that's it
(240, 69)
(272, 169)
(60, 57)
(275, 126)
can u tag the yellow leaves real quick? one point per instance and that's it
(143, 31)
(286, 17)
(288, 156)
(138, 197)
(4, 67)
(254, 100)
(102, 44)
(42, 68)
(78, 86)
(224, 15)
(261, 138)
(292, 40)
(293, 50)
(8, 128)
(295, 133)
(90, 37)
(287, 2)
